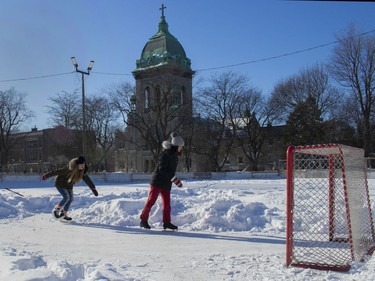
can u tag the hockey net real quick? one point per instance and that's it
(329, 218)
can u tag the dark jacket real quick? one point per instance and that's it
(63, 176)
(166, 167)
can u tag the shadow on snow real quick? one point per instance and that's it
(183, 233)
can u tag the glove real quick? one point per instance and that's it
(95, 191)
(177, 181)
(43, 177)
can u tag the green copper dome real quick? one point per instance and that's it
(163, 48)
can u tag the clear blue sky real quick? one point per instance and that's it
(38, 37)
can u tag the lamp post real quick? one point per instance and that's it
(75, 64)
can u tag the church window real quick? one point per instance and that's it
(147, 98)
(182, 95)
(157, 97)
(177, 97)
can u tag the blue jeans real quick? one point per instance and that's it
(67, 198)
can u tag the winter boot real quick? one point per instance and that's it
(145, 224)
(66, 218)
(168, 225)
(56, 212)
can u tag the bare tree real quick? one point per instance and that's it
(153, 118)
(353, 66)
(13, 114)
(252, 125)
(66, 110)
(102, 120)
(218, 105)
(311, 82)
(122, 97)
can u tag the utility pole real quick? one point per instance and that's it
(75, 64)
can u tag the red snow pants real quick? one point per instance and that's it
(166, 203)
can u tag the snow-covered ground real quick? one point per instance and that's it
(228, 230)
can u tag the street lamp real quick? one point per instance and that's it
(75, 64)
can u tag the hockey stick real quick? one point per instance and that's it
(14, 191)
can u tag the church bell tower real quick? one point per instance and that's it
(163, 94)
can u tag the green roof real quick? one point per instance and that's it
(162, 49)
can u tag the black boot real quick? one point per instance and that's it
(145, 224)
(168, 225)
(56, 212)
(66, 218)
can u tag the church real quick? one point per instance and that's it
(162, 104)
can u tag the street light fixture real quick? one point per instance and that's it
(75, 64)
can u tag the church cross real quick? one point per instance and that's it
(162, 9)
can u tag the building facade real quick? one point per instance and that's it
(38, 151)
(163, 103)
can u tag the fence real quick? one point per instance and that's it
(131, 177)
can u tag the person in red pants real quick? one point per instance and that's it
(161, 181)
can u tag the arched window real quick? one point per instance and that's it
(157, 98)
(133, 103)
(177, 97)
(147, 98)
(182, 95)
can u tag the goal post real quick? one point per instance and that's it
(328, 210)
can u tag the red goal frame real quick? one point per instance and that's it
(334, 178)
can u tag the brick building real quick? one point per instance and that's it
(37, 151)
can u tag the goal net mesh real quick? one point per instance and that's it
(329, 219)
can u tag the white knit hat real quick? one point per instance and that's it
(177, 140)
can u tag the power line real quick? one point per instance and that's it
(36, 77)
(284, 55)
(59, 74)
(111, 73)
(205, 69)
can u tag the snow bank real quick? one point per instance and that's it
(228, 230)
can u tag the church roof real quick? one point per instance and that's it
(162, 49)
